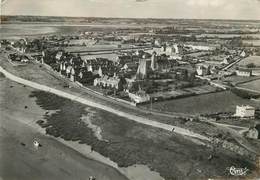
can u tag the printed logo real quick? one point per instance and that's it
(238, 171)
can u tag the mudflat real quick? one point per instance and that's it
(21, 160)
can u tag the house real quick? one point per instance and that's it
(139, 53)
(130, 66)
(244, 72)
(62, 68)
(158, 42)
(109, 82)
(18, 58)
(139, 97)
(203, 70)
(175, 57)
(252, 133)
(70, 73)
(243, 54)
(24, 59)
(245, 111)
(59, 55)
(85, 77)
(227, 60)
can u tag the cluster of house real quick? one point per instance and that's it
(77, 69)
(214, 67)
(250, 68)
(18, 58)
(105, 81)
(128, 67)
(119, 74)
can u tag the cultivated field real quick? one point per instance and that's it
(203, 104)
(251, 59)
(253, 85)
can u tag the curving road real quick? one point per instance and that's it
(129, 116)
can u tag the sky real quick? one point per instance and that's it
(191, 9)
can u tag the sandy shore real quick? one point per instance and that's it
(14, 116)
(20, 160)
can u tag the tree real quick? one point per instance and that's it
(251, 65)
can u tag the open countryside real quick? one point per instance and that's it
(128, 98)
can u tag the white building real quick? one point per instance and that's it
(106, 81)
(244, 72)
(203, 70)
(58, 55)
(139, 97)
(243, 54)
(245, 111)
(171, 50)
(158, 42)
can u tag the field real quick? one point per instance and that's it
(250, 59)
(203, 104)
(16, 31)
(254, 85)
(111, 56)
(239, 79)
(254, 42)
(229, 35)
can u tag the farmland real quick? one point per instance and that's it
(208, 103)
(253, 85)
(252, 59)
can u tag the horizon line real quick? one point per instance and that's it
(217, 19)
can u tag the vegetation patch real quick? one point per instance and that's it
(245, 94)
(2, 75)
(129, 143)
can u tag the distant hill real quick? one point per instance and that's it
(54, 19)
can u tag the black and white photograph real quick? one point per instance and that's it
(130, 90)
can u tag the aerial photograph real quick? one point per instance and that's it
(130, 90)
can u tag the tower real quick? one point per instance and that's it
(142, 69)
(154, 64)
(100, 73)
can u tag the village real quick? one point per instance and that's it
(171, 98)
(143, 70)
(153, 70)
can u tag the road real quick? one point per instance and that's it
(129, 116)
(247, 89)
(237, 135)
(240, 139)
(232, 64)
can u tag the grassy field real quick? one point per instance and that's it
(129, 143)
(254, 85)
(203, 104)
(250, 59)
